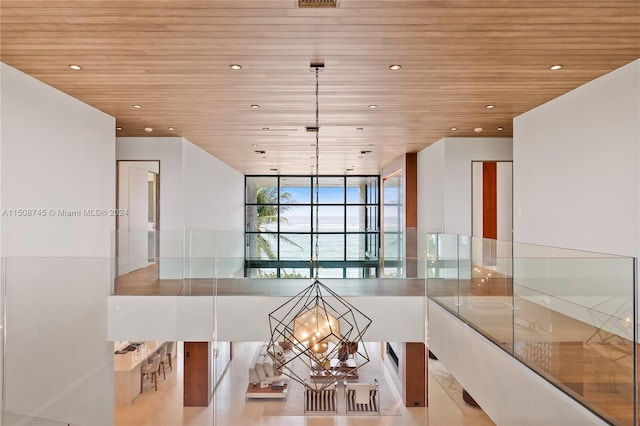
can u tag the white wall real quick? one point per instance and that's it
(57, 153)
(445, 183)
(577, 166)
(508, 392)
(214, 201)
(431, 188)
(505, 201)
(198, 193)
(168, 151)
(444, 180)
(577, 185)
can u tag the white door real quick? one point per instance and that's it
(133, 196)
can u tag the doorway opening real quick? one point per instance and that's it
(138, 194)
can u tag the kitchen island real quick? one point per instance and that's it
(127, 370)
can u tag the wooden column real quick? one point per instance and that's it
(411, 212)
(490, 200)
(414, 378)
(197, 374)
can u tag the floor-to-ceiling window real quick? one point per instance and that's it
(281, 226)
(393, 227)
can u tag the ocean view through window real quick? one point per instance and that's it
(280, 228)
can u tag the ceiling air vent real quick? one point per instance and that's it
(317, 3)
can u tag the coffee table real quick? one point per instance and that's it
(266, 393)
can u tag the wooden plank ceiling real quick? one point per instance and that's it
(172, 57)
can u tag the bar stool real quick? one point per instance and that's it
(162, 357)
(170, 347)
(150, 368)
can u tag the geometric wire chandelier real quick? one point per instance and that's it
(322, 329)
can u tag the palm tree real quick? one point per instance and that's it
(267, 198)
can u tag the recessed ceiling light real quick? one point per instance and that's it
(478, 129)
(118, 128)
(255, 106)
(453, 129)
(265, 128)
(171, 129)
(490, 106)
(259, 151)
(75, 67)
(273, 169)
(359, 129)
(500, 129)
(137, 106)
(148, 129)
(373, 106)
(555, 67)
(235, 67)
(395, 67)
(348, 170)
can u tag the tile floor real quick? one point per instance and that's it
(164, 407)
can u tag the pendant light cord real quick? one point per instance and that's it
(316, 264)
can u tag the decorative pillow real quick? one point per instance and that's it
(268, 368)
(262, 375)
(263, 350)
(278, 363)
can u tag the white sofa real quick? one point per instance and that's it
(262, 368)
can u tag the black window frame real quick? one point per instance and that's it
(370, 268)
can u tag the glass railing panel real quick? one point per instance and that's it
(205, 276)
(56, 349)
(443, 269)
(151, 276)
(13, 419)
(137, 249)
(486, 296)
(569, 315)
(574, 325)
(2, 340)
(288, 287)
(188, 276)
(216, 244)
(199, 276)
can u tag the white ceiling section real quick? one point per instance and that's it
(173, 58)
